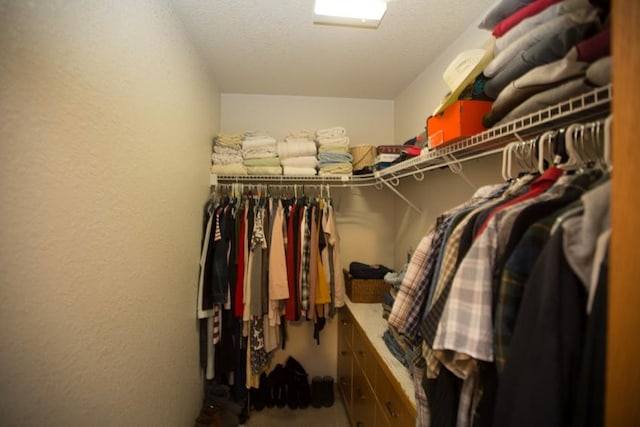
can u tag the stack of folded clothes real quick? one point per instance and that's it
(298, 154)
(398, 345)
(226, 156)
(259, 153)
(546, 51)
(333, 151)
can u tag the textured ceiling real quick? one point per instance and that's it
(273, 47)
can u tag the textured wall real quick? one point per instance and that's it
(440, 189)
(106, 115)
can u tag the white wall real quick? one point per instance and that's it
(364, 215)
(106, 117)
(440, 190)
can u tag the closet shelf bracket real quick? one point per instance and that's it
(399, 194)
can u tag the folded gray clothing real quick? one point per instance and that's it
(534, 81)
(600, 72)
(528, 24)
(547, 50)
(501, 10)
(328, 157)
(537, 34)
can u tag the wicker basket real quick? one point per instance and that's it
(363, 156)
(364, 290)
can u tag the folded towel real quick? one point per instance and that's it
(333, 140)
(334, 148)
(336, 169)
(225, 159)
(258, 153)
(264, 170)
(255, 134)
(295, 170)
(329, 157)
(298, 134)
(231, 169)
(266, 161)
(386, 158)
(330, 132)
(259, 143)
(294, 140)
(226, 138)
(227, 149)
(301, 162)
(298, 149)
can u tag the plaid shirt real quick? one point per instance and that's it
(399, 316)
(466, 326)
(407, 309)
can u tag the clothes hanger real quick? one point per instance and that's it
(573, 162)
(546, 149)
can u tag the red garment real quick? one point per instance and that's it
(238, 306)
(514, 19)
(537, 187)
(292, 279)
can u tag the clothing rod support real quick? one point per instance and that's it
(414, 207)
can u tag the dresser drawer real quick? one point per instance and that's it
(364, 402)
(365, 355)
(345, 326)
(397, 411)
(345, 371)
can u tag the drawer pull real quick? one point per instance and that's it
(359, 424)
(361, 353)
(361, 396)
(393, 413)
(344, 353)
(345, 323)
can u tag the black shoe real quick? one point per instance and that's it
(279, 385)
(304, 393)
(317, 392)
(328, 395)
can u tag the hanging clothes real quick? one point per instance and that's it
(498, 295)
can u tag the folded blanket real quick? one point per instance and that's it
(258, 153)
(336, 169)
(264, 170)
(330, 132)
(301, 162)
(298, 149)
(225, 159)
(329, 157)
(295, 170)
(334, 148)
(259, 143)
(266, 161)
(231, 169)
(333, 140)
(227, 149)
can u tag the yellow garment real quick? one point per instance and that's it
(323, 294)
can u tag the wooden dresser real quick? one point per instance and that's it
(377, 390)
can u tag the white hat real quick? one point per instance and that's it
(462, 71)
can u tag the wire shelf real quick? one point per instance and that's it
(588, 106)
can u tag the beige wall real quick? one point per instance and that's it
(440, 189)
(106, 115)
(364, 215)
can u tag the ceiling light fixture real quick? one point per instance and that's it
(352, 13)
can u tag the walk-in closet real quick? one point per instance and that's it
(189, 235)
